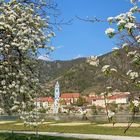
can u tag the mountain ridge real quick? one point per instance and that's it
(78, 76)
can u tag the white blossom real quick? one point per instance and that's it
(120, 17)
(136, 103)
(121, 22)
(113, 70)
(115, 48)
(132, 75)
(105, 68)
(130, 25)
(131, 53)
(138, 37)
(110, 114)
(14, 108)
(134, 9)
(3, 82)
(109, 88)
(110, 31)
(125, 45)
(110, 19)
(52, 48)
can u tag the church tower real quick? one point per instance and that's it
(57, 91)
(56, 98)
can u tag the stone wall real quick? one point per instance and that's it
(93, 118)
(78, 117)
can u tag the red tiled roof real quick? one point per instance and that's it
(93, 97)
(118, 96)
(45, 99)
(70, 95)
(100, 98)
(97, 98)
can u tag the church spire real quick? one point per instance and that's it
(57, 91)
(56, 97)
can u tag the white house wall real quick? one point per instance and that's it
(122, 101)
(117, 101)
(98, 103)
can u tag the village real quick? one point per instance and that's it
(77, 103)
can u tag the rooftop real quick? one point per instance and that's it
(70, 95)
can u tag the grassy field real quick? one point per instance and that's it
(83, 129)
(8, 136)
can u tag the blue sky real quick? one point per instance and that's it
(82, 38)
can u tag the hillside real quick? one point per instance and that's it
(78, 76)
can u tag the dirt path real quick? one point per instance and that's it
(119, 125)
(81, 136)
(70, 124)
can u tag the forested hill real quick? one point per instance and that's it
(78, 76)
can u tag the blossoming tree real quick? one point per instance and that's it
(127, 30)
(22, 33)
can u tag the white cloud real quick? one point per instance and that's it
(44, 57)
(59, 47)
(78, 56)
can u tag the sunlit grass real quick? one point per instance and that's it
(90, 128)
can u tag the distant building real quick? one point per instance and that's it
(98, 101)
(117, 98)
(45, 102)
(121, 98)
(69, 98)
(66, 102)
(93, 94)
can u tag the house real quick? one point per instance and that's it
(45, 102)
(121, 98)
(98, 101)
(69, 98)
(117, 98)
